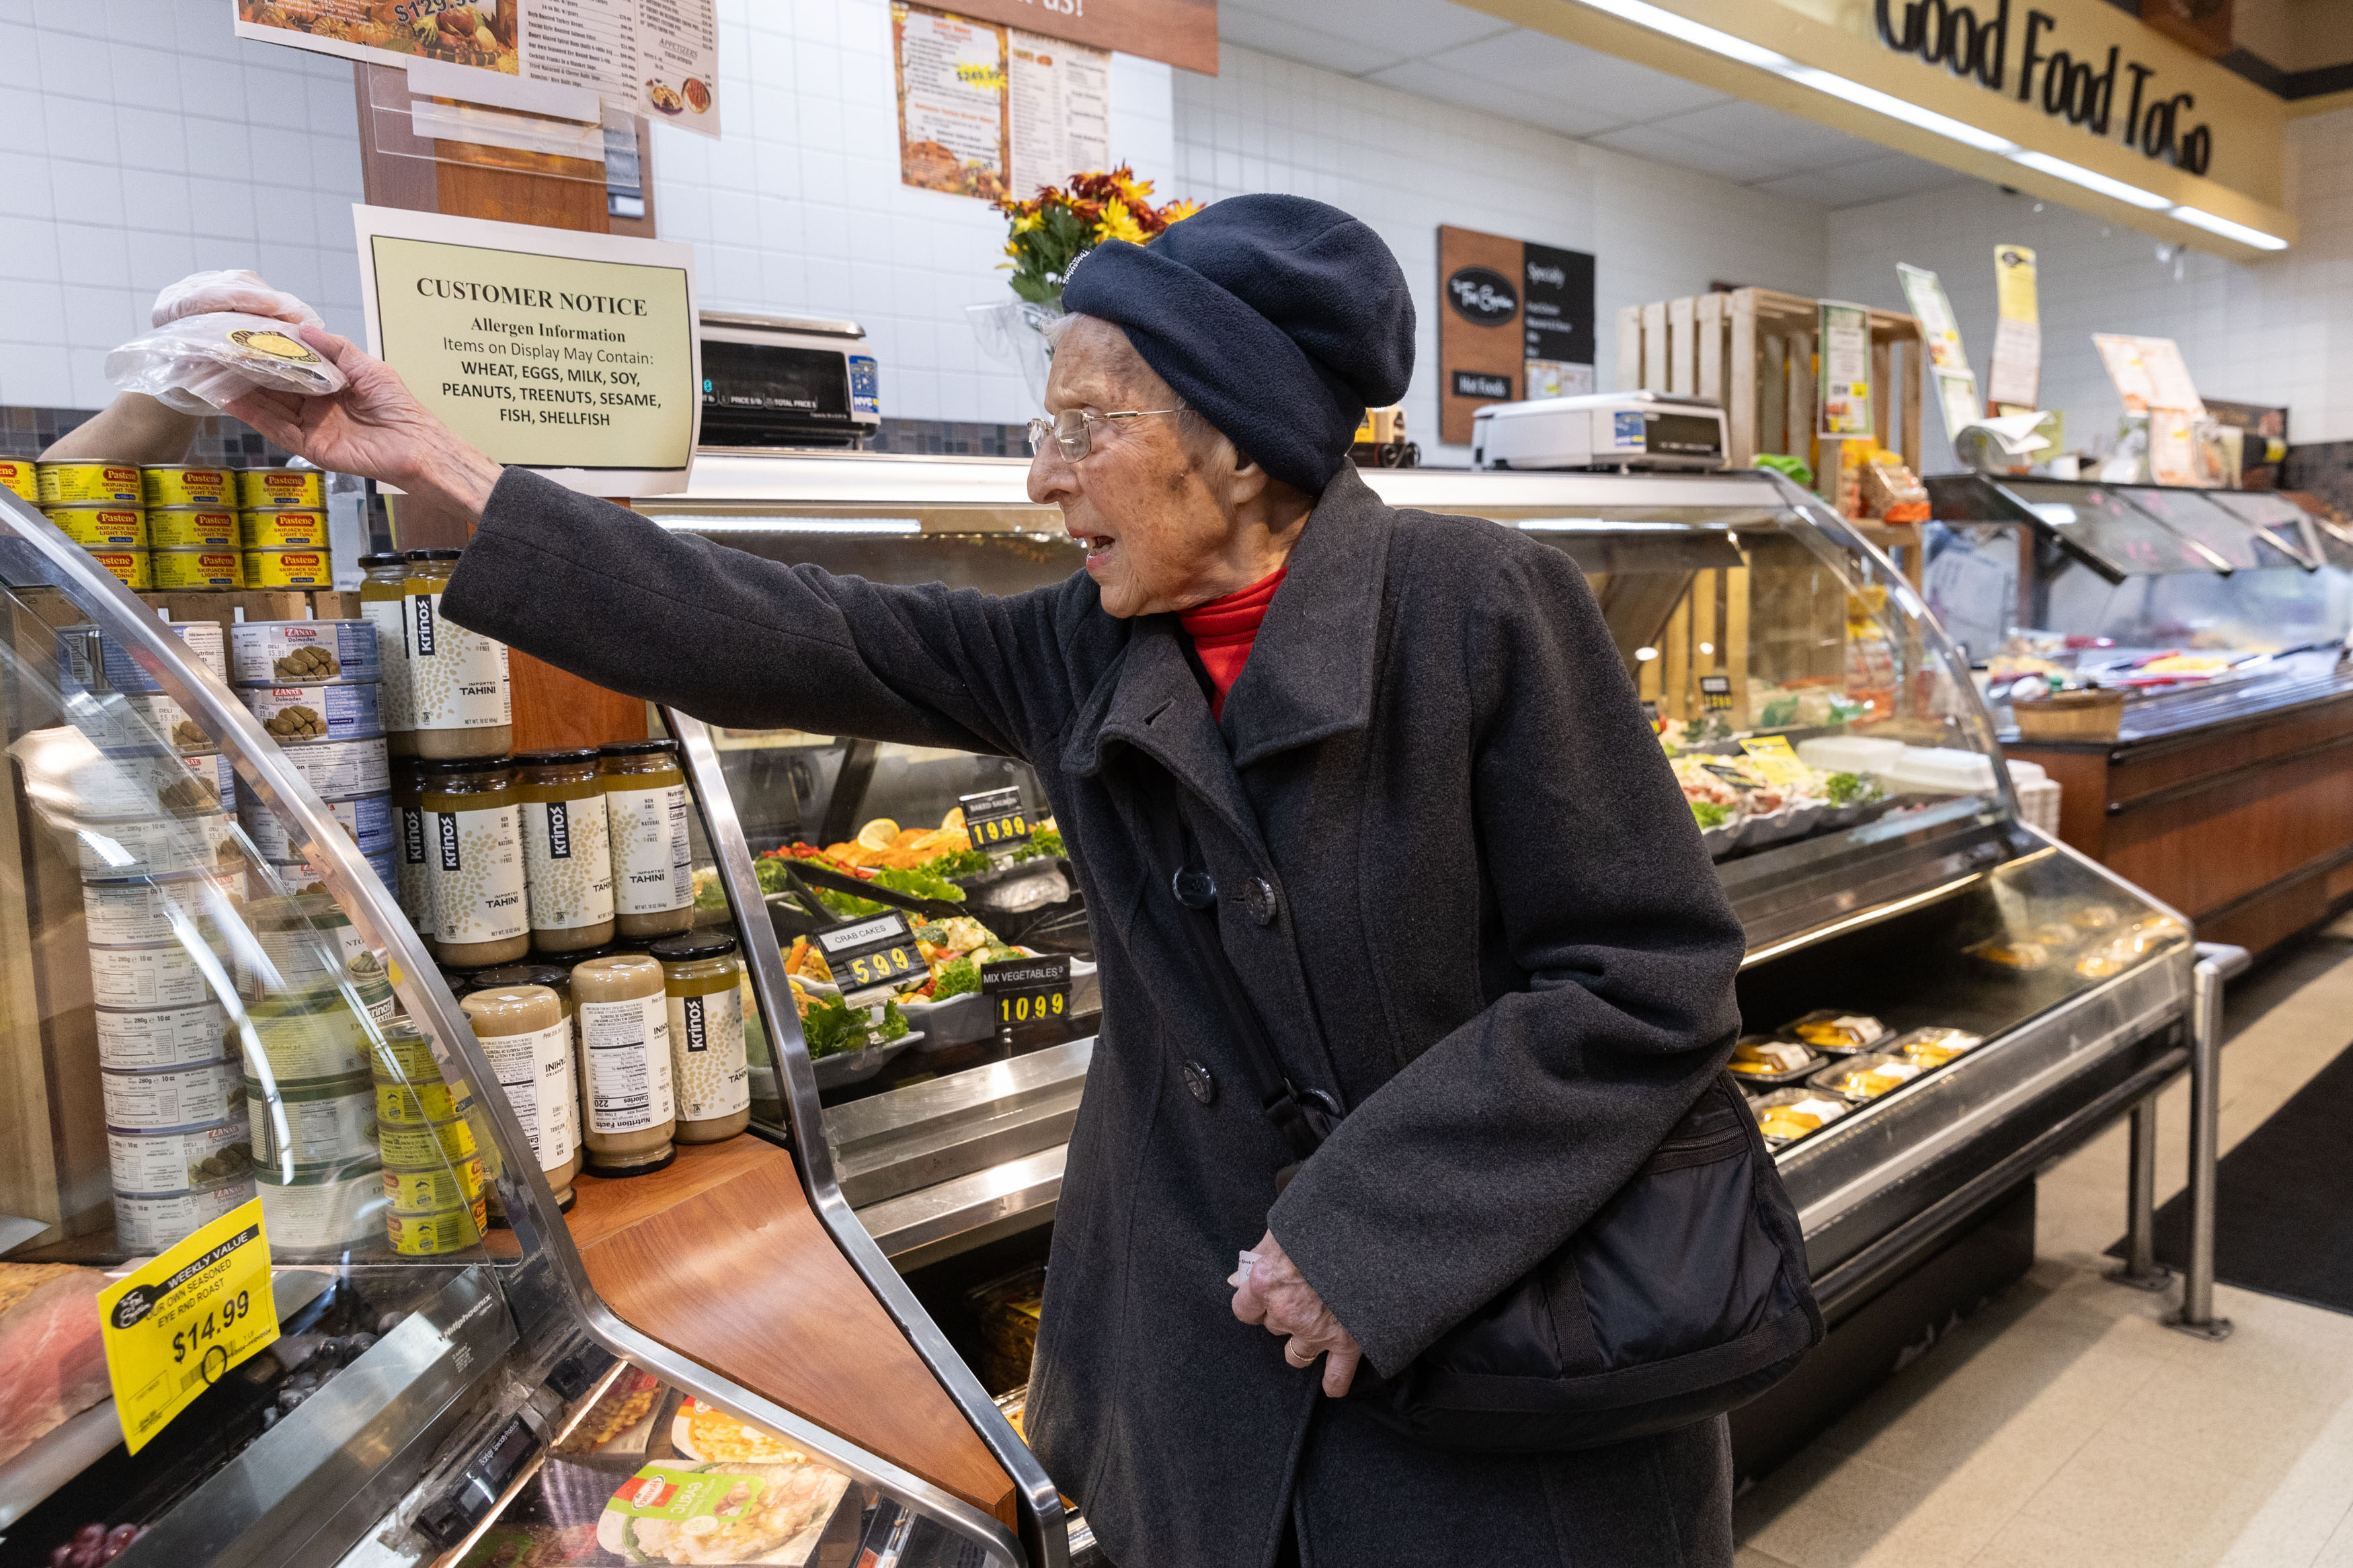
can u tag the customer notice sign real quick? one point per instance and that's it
(573, 353)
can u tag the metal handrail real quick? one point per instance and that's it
(2217, 963)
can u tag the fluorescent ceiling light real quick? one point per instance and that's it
(1597, 525)
(1894, 108)
(752, 524)
(1663, 21)
(2229, 230)
(2076, 174)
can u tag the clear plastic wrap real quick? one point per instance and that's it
(211, 293)
(198, 364)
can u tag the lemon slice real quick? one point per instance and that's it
(878, 834)
(953, 819)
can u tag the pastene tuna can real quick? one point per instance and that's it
(259, 488)
(183, 571)
(289, 569)
(98, 527)
(16, 474)
(129, 567)
(89, 484)
(194, 528)
(175, 484)
(290, 528)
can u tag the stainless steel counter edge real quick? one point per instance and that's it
(1046, 1529)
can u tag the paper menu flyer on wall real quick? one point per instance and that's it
(590, 44)
(1924, 293)
(1059, 96)
(677, 59)
(485, 35)
(952, 114)
(2016, 378)
(1845, 390)
(2148, 372)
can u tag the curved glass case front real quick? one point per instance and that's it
(215, 1022)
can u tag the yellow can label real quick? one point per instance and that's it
(428, 1235)
(418, 1103)
(406, 1058)
(101, 527)
(176, 486)
(258, 487)
(193, 528)
(131, 565)
(289, 569)
(176, 1326)
(431, 1191)
(419, 1144)
(288, 527)
(180, 569)
(88, 484)
(16, 474)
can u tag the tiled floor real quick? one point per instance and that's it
(2064, 1426)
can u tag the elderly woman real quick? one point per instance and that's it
(1450, 868)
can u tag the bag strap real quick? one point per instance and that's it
(1303, 1119)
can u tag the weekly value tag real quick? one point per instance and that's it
(174, 1327)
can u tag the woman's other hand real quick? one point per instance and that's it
(373, 428)
(1271, 1291)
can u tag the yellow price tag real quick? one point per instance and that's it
(1773, 761)
(176, 1327)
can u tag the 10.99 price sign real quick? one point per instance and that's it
(1027, 990)
(176, 1327)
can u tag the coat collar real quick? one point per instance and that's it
(1310, 674)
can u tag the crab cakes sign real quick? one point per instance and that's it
(572, 353)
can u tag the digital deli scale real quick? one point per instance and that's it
(1623, 430)
(786, 381)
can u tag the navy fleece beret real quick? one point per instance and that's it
(1279, 319)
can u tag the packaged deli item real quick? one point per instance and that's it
(303, 653)
(2007, 956)
(1786, 1115)
(195, 528)
(88, 484)
(1830, 1029)
(179, 485)
(301, 712)
(461, 698)
(183, 1158)
(646, 813)
(258, 488)
(194, 571)
(196, 364)
(1762, 1059)
(1866, 1076)
(1933, 1048)
(101, 527)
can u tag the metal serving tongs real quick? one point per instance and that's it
(931, 910)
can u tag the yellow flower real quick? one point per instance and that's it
(1118, 223)
(1028, 221)
(1179, 210)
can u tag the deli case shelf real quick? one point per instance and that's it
(1843, 767)
(2216, 776)
(220, 1031)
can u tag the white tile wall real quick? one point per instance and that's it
(799, 210)
(1406, 165)
(2266, 331)
(139, 141)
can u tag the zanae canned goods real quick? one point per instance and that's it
(129, 567)
(183, 1158)
(158, 975)
(179, 571)
(88, 484)
(159, 846)
(203, 639)
(96, 528)
(260, 488)
(194, 528)
(191, 1095)
(150, 1221)
(340, 768)
(316, 712)
(16, 474)
(144, 1039)
(303, 653)
(141, 913)
(289, 569)
(291, 528)
(176, 484)
(139, 783)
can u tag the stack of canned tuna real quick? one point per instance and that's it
(176, 527)
(282, 516)
(314, 686)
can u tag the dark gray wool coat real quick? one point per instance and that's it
(1474, 906)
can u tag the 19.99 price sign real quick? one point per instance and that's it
(993, 819)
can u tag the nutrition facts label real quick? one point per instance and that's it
(628, 1049)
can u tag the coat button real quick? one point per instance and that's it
(1197, 1080)
(1257, 896)
(1196, 889)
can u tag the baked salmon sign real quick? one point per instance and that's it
(575, 354)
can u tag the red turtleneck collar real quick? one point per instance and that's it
(1223, 631)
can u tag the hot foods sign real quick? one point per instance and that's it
(2025, 53)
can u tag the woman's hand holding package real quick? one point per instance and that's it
(373, 428)
(1269, 1291)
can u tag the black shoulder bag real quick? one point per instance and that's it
(1685, 1296)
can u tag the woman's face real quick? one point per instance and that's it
(1154, 513)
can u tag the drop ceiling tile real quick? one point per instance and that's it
(1753, 128)
(1392, 29)
(1279, 36)
(1738, 165)
(1564, 115)
(1595, 82)
(1880, 179)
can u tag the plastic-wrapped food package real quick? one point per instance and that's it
(198, 364)
(210, 293)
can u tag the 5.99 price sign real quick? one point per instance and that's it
(176, 1327)
(875, 955)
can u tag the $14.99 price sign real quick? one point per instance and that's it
(993, 819)
(1027, 990)
(874, 954)
(176, 1327)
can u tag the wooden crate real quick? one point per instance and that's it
(1751, 352)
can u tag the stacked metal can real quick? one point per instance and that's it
(312, 1107)
(102, 507)
(282, 518)
(192, 531)
(164, 889)
(433, 1175)
(314, 685)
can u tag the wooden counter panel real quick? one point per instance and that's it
(2083, 781)
(721, 1259)
(2202, 850)
(2133, 774)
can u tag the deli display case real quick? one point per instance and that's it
(284, 1276)
(2175, 660)
(1941, 999)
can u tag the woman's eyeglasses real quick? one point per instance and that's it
(1072, 430)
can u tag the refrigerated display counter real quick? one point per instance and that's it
(2218, 620)
(388, 1345)
(1942, 999)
